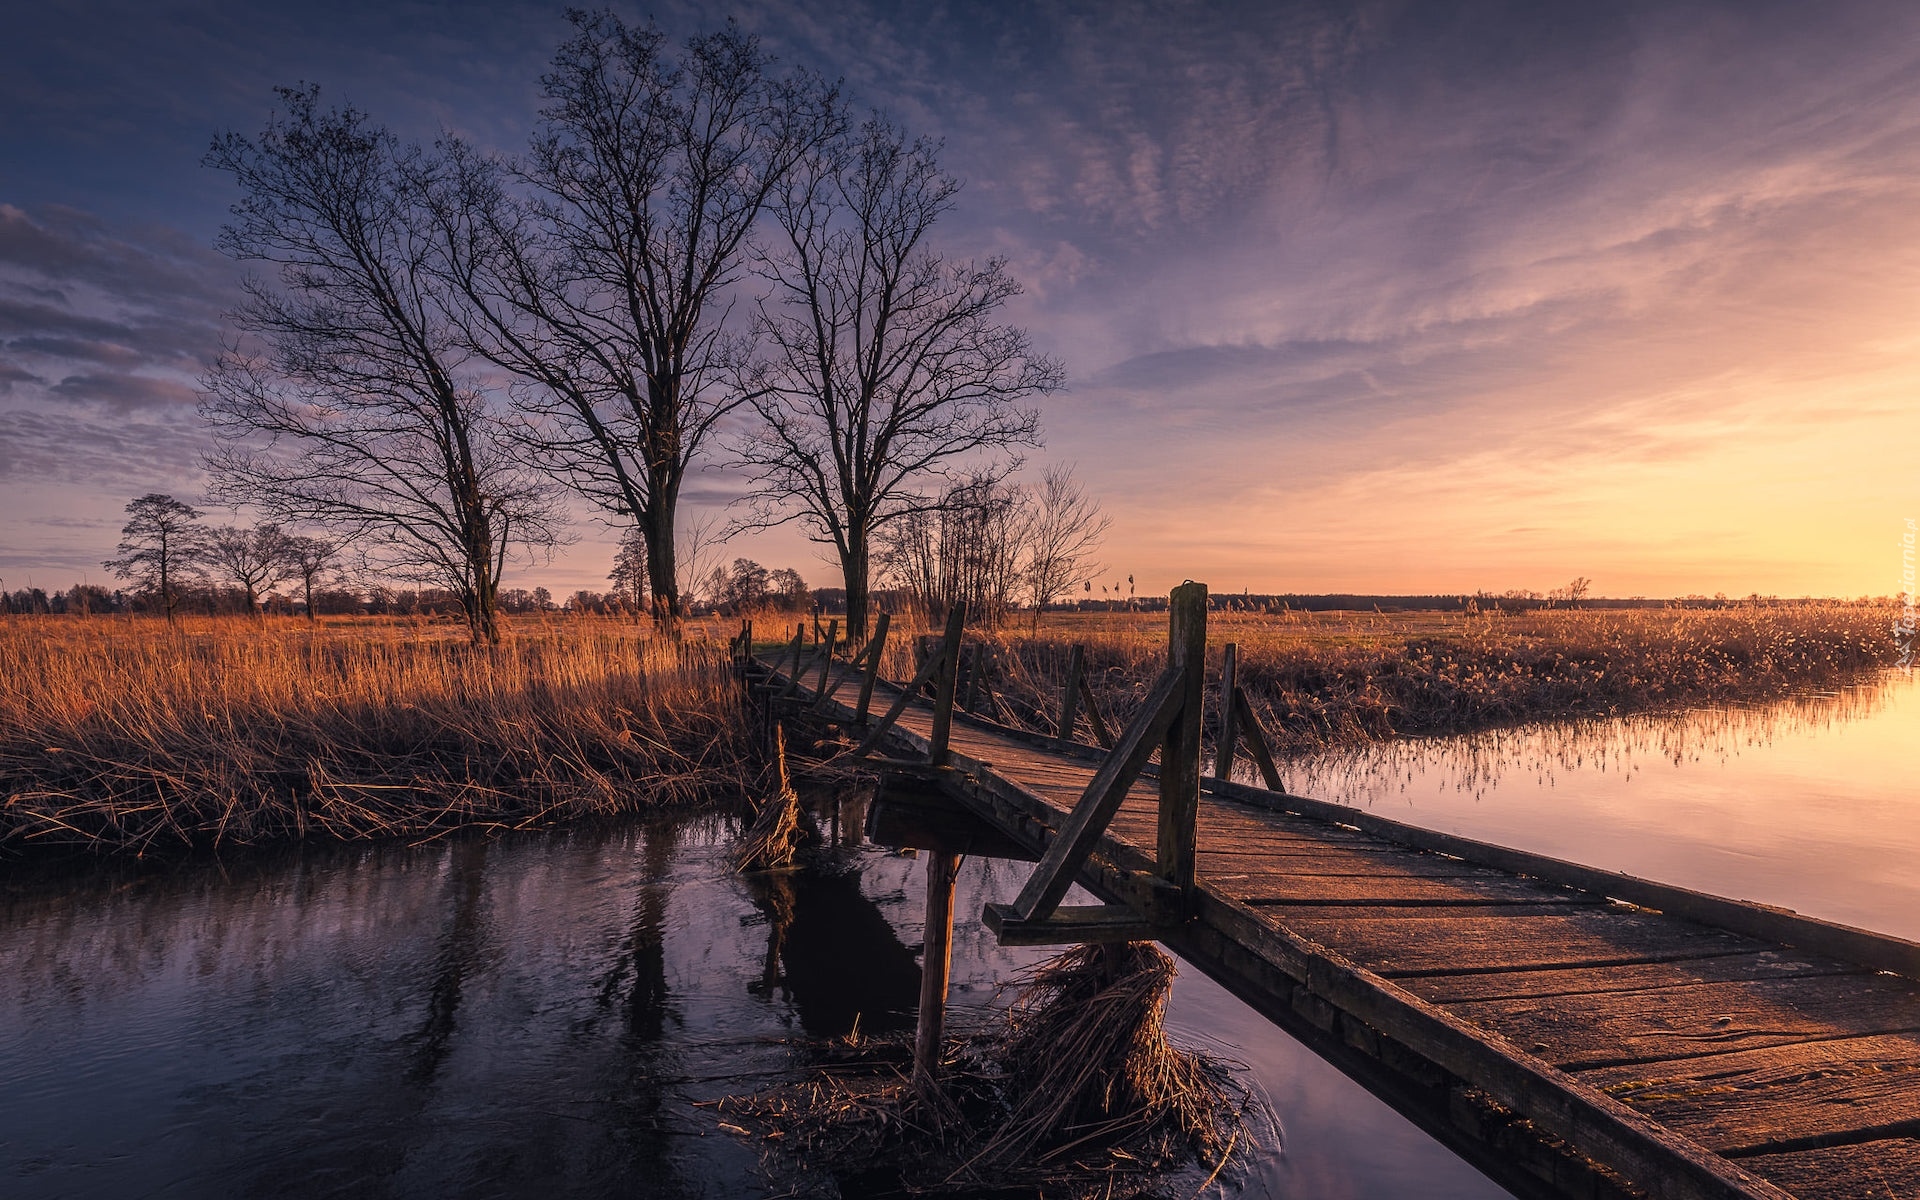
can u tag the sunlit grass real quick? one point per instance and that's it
(126, 734)
(1328, 679)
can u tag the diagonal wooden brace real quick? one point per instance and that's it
(1090, 817)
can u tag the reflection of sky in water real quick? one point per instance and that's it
(526, 1017)
(1807, 803)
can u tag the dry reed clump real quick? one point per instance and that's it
(1081, 1095)
(1321, 680)
(774, 836)
(125, 735)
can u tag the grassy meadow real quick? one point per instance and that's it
(125, 734)
(1320, 680)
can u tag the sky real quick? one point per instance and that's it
(1400, 298)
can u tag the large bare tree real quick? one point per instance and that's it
(885, 373)
(350, 403)
(600, 265)
(158, 546)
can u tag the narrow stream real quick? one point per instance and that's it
(538, 1016)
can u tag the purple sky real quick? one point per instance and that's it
(1410, 297)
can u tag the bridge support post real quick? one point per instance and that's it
(876, 645)
(936, 962)
(1180, 754)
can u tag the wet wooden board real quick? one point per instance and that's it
(1586, 981)
(1431, 941)
(1884, 1169)
(1779, 1098)
(1697, 1019)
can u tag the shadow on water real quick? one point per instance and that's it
(831, 953)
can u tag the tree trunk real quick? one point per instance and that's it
(854, 566)
(657, 522)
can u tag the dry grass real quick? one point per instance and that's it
(1329, 679)
(125, 735)
(1079, 1094)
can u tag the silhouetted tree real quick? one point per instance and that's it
(604, 292)
(354, 405)
(252, 560)
(158, 547)
(885, 368)
(1063, 528)
(307, 558)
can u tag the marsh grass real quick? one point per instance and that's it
(128, 735)
(1323, 680)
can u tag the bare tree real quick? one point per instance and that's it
(159, 545)
(252, 560)
(605, 293)
(885, 370)
(967, 548)
(1063, 529)
(354, 406)
(307, 558)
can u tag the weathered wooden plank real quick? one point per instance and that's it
(1335, 860)
(1781, 1098)
(1698, 1019)
(1427, 942)
(1582, 981)
(1880, 951)
(1387, 887)
(1885, 1169)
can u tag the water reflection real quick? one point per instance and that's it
(1803, 802)
(515, 1017)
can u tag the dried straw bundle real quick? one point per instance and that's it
(1089, 1063)
(775, 833)
(1080, 1095)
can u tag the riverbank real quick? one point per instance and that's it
(1327, 680)
(130, 736)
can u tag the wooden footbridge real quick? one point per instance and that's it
(1570, 1031)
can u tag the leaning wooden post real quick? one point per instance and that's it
(946, 675)
(936, 961)
(1229, 730)
(875, 646)
(1070, 694)
(826, 656)
(1180, 753)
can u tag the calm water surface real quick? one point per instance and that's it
(1811, 803)
(538, 1016)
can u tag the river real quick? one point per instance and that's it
(540, 1015)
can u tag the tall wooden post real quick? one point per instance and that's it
(1229, 710)
(936, 963)
(1180, 753)
(1070, 694)
(946, 675)
(875, 647)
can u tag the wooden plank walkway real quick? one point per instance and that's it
(1570, 1031)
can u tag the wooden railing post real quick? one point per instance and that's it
(1070, 694)
(946, 675)
(1180, 753)
(826, 656)
(875, 646)
(1229, 709)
